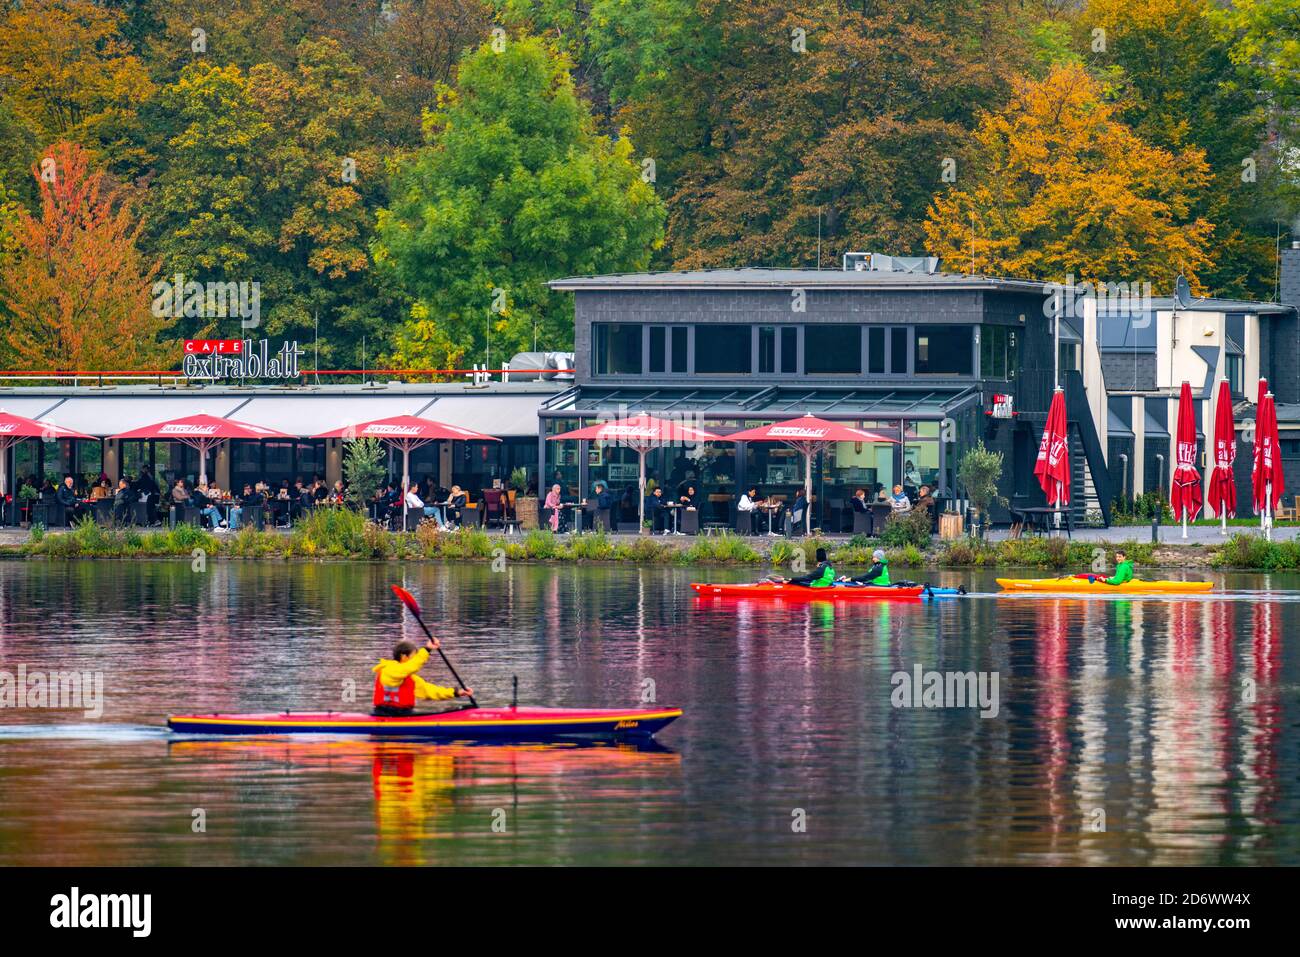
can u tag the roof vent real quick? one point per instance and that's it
(878, 262)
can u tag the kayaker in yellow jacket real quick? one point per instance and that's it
(397, 686)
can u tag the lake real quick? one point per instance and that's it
(1127, 731)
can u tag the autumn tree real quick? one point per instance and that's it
(1057, 185)
(76, 292)
(513, 189)
(68, 74)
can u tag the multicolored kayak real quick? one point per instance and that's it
(1075, 585)
(465, 724)
(772, 591)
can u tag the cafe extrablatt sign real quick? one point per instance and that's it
(240, 359)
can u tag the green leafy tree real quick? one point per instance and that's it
(979, 472)
(363, 470)
(513, 189)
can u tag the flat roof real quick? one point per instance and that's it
(755, 278)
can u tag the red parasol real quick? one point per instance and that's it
(641, 433)
(15, 428)
(1185, 492)
(1223, 489)
(406, 432)
(808, 435)
(202, 432)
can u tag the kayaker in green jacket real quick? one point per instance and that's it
(1123, 571)
(877, 574)
(822, 576)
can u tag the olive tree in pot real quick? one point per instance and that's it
(525, 505)
(979, 473)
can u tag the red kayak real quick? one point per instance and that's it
(465, 724)
(769, 591)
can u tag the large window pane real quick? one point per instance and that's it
(835, 350)
(943, 350)
(616, 348)
(766, 349)
(657, 352)
(679, 349)
(723, 350)
(876, 350)
(898, 351)
(790, 350)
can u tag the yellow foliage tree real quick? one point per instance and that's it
(1057, 185)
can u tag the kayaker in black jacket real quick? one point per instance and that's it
(822, 576)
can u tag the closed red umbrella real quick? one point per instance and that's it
(202, 432)
(808, 435)
(1267, 480)
(1053, 464)
(641, 433)
(1185, 493)
(1223, 489)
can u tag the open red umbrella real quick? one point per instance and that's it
(1185, 493)
(808, 435)
(641, 433)
(15, 428)
(1267, 480)
(1053, 464)
(202, 432)
(1223, 489)
(406, 432)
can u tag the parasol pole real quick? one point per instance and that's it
(641, 482)
(807, 490)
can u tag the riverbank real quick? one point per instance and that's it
(336, 535)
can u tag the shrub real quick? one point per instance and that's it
(542, 544)
(721, 549)
(907, 528)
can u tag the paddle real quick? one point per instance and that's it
(407, 599)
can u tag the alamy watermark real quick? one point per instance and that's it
(56, 690)
(178, 297)
(946, 689)
(1113, 300)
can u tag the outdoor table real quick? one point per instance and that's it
(1039, 518)
(675, 508)
(771, 508)
(577, 513)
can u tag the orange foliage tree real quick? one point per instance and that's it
(75, 293)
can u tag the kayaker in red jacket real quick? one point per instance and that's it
(397, 686)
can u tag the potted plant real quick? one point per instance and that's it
(26, 499)
(525, 506)
(979, 473)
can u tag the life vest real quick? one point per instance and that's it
(883, 577)
(403, 696)
(826, 579)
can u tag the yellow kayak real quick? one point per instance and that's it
(1075, 585)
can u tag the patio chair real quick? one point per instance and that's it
(494, 511)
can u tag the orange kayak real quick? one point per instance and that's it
(771, 591)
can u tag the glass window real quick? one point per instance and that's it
(616, 348)
(832, 350)
(723, 349)
(679, 349)
(1068, 357)
(876, 349)
(943, 350)
(657, 351)
(790, 350)
(1232, 370)
(766, 349)
(898, 351)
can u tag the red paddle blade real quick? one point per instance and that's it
(407, 599)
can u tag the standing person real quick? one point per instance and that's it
(552, 505)
(910, 475)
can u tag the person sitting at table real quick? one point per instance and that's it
(320, 492)
(457, 499)
(655, 512)
(205, 497)
(749, 500)
(924, 499)
(859, 501)
(552, 505)
(339, 493)
(145, 484)
(690, 499)
(899, 501)
(122, 501)
(180, 494)
(101, 490)
(413, 501)
(67, 497)
(797, 509)
(248, 499)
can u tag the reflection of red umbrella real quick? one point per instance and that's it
(406, 432)
(641, 433)
(201, 432)
(1053, 465)
(1185, 491)
(1223, 490)
(808, 435)
(1266, 478)
(15, 428)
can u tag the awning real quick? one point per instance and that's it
(108, 414)
(500, 415)
(312, 414)
(757, 402)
